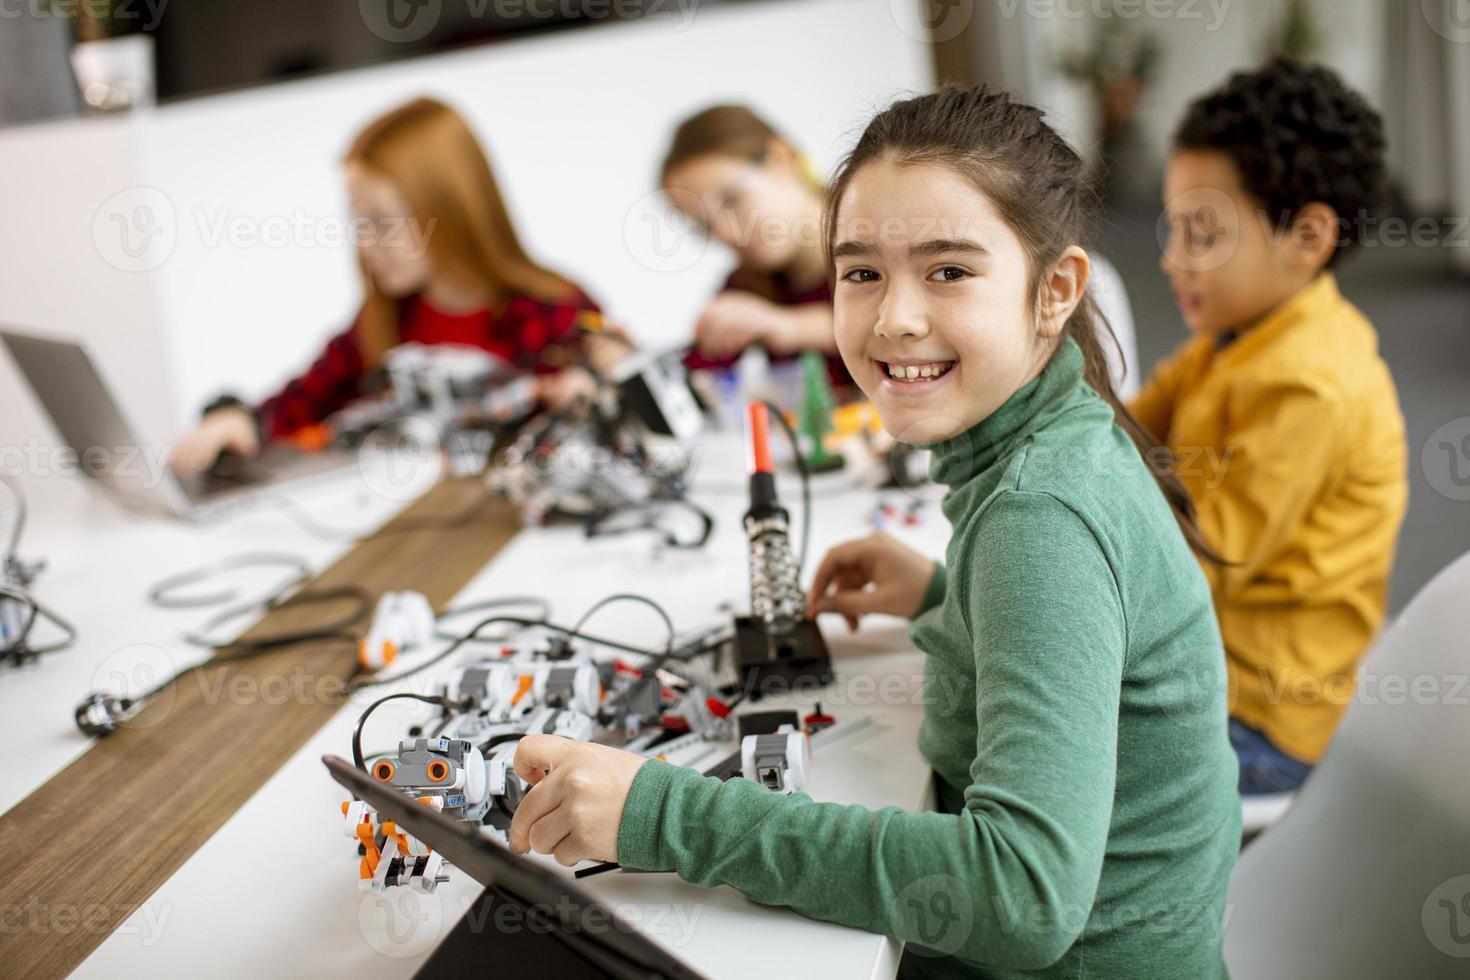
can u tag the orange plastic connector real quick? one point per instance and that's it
(760, 439)
(365, 657)
(524, 688)
(311, 439)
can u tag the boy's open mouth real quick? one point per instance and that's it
(910, 373)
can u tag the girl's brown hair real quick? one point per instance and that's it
(1037, 183)
(733, 131)
(429, 153)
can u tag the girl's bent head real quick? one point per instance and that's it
(735, 177)
(955, 231)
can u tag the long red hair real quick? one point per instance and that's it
(429, 153)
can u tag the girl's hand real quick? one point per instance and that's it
(565, 387)
(607, 348)
(875, 574)
(575, 805)
(231, 429)
(736, 319)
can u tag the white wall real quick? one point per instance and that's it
(574, 124)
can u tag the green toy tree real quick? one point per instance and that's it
(816, 413)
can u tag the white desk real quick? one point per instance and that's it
(274, 892)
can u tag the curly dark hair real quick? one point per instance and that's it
(1298, 134)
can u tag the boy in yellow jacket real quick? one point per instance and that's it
(1281, 415)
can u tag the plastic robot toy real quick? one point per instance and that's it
(401, 620)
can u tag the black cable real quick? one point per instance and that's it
(12, 551)
(659, 657)
(160, 593)
(18, 650)
(597, 525)
(442, 702)
(631, 597)
(224, 657)
(363, 604)
(474, 633)
(515, 600)
(806, 485)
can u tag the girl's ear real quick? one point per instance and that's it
(1061, 290)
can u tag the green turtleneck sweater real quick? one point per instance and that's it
(1074, 712)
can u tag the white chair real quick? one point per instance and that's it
(1261, 810)
(1368, 874)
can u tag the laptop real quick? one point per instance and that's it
(581, 938)
(66, 382)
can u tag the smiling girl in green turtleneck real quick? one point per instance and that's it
(1090, 819)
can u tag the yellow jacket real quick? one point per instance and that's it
(1291, 442)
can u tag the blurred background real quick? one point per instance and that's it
(172, 190)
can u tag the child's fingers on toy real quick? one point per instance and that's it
(847, 565)
(571, 851)
(548, 833)
(539, 754)
(543, 798)
(855, 602)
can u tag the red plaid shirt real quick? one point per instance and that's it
(785, 294)
(522, 333)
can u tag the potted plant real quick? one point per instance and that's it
(112, 56)
(1117, 67)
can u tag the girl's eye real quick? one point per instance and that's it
(950, 273)
(860, 275)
